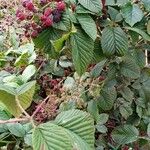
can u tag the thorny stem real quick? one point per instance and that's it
(27, 118)
(39, 107)
(15, 120)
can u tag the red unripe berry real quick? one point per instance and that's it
(47, 11)
(61, 6)
(27, 35)
(34, 34)
(21, 16)
(34, 25)
(39, 29)
(48, 22)
(30, 6)
(43, 18)
(24, 2)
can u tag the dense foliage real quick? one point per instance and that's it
(74, 75)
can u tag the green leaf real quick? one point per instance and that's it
(146, 4)
(127, 94)
(81, 124)
(121, 2)
(93, 109)
(82, 51)
(73, 129)
(24, 93)
(98, 54)
(114, 40)
(125, 134)
(129, 68)
(139, 31)
(107, 98)
(60, 43)
(44, 38)
(28, 72)
(115, 15)
(16, 129)
(49, 136)
(101, 128)
(110, 2)
(88, 25)
(125, 110)
(102, 118)
(139, 57)
(96, 71)
(69, 84)
(22, 60)
(28, 139)
(82, 10)
(132, 13)
(94, 6)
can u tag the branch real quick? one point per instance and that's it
(15, 120)
(21, 108)
(39, 107)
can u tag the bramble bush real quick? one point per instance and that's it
(74, 75)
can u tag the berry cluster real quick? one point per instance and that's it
(38, 16)
(50, 85)
(48, 111)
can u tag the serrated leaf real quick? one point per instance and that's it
(127, 94)
(141, 32)
(69, 84)
(125, 110)
(24, 93)
(107, 98)
(96, 71)
(129, 68)
(82, 51)
(98, 54)
(139, 57)
(114, 40)
(73, 129)
(16, 129)
(132, 13)
(44, 38)
(88, 25)
(102, 118)
(28, 139)
(60, 43)
(101, 128)
(28, 72)
(115, 15)
(110, 2)
(94, 6)
(146, 4)
(93, 109)
(121, 2)
(80, 123)
(125, 134)
(49, 136)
